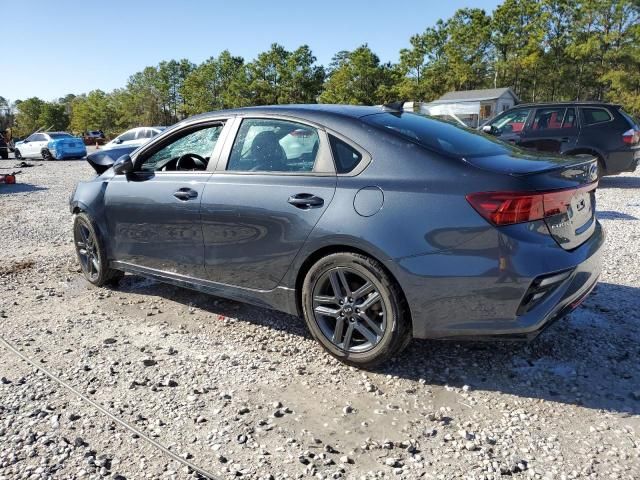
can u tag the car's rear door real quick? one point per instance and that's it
(153, 214)
(274, 181)
(551, 129)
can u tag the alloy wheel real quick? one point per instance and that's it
(349, 309)
(87, 248)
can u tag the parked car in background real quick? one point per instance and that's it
(4, 148)
(134, 137)
(573, 128)
(50, 146)
(93, 137)
(374, 225)
(123, 144)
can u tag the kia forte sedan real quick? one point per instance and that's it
(374, 225)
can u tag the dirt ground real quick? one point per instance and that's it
(244, 392)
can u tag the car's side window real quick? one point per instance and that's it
(191, 151)
(141, 134)
(548, 118)
(512, 122)
(38, 137)
(268, 145)
(591, 116)
(345, 156)
(570, 118)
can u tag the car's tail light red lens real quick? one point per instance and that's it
(631, 137)
(507, 208)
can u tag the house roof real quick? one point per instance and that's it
(475, 95)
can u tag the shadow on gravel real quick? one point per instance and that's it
(619, 182)
(20, 188)
(611, 215)
(589, 358)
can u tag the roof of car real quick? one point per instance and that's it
(307, 110)
(571, 102)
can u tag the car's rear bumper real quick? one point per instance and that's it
(623, 161)
(69, 153)
(484, 292)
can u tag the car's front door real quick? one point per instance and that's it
(36, 143)
(272, 185)
(551, 129)
(509, 126)
(27, 147)
(153, 214)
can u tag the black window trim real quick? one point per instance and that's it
(230, 140)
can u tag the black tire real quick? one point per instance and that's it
(388, 313)
(91, 253)
(17, 154)
(46, 154)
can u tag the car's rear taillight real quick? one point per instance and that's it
(507, 208)
(631, 136)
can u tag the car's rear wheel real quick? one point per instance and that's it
(91, 253)
(46, 154)
(355, 309)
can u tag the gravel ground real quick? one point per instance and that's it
(245, 392)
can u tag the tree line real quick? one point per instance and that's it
(546, 50)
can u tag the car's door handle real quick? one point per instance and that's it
(565, 139)
(185, 194)
(305, 201)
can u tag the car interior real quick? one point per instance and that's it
(274, 146)
(190, 152)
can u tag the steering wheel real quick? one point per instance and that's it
(191, 161)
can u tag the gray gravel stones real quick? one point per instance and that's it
(247, 393)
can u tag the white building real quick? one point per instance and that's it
(470, 107)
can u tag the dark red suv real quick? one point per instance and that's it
(573, 128)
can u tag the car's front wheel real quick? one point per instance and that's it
(17, 154)
(91, 252)
(355, 309)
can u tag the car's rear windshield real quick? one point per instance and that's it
(59, 135)
(438, 135)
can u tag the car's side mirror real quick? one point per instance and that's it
(489, 129)
(117, 140)
(123, 165)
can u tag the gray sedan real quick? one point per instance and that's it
(372, 224)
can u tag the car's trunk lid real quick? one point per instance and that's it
(568, 186)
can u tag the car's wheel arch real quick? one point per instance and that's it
(78, 207)
(320, 252)
(588, 151)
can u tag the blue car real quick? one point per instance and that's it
(51, 146)
(373, 224)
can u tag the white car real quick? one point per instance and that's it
(134, 137)
(50, 146)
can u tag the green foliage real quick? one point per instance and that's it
(546, 50)
(28, 117)
(54, 116)
(357, 77)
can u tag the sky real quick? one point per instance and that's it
(70, 46)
